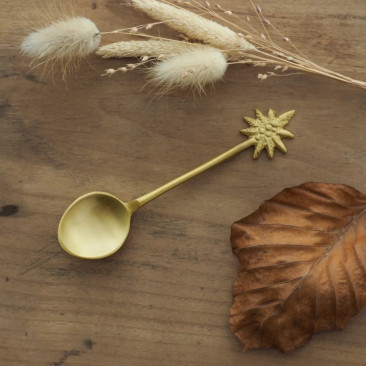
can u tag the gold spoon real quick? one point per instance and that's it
(97, 224)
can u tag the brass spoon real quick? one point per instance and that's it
(97, 224)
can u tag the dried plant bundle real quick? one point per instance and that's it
(151, 48)
(67, 41)
(260, 50)
(71, 39)
(193, 25)
(191, 70)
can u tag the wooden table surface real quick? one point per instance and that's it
(164, 299)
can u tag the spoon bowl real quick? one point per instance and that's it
(94, 226)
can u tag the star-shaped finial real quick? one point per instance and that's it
(267, 131)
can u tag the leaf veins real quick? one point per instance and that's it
(302, 258)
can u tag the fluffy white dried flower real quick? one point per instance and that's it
(192, 70)
(193, 25)
(67, 41)
(153, 48)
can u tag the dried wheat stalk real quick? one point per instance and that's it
(152, 48)
(193, 25)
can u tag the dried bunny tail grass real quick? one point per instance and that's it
(193, 70)
(153, 48)
(65, 41)
(193, 25)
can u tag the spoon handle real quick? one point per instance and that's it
(138, 202)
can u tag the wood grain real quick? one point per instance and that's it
(165, 298)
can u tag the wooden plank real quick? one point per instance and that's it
(164, 299)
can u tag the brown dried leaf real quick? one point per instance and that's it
(302, 268)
